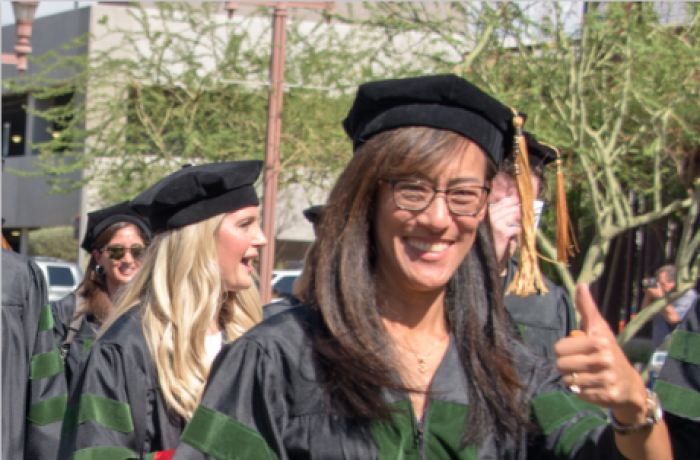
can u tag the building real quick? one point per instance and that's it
(26, 201)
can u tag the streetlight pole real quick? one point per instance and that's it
(274, 131)
(24, 19)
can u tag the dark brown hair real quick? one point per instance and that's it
(348, 337)
(94, 286)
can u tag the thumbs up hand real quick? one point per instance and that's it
(595, 367)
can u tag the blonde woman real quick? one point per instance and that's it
(143, 378)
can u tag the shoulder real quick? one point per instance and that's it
(287, 328)
(125, 336)
(280, 338)
(18, 275)
(64, 309)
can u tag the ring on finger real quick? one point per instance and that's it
(574, 387)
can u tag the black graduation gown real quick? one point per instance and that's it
(542, 320)
(678, 387)
(47, 406)
(263, 401)
(63, 312)
(115, 407)
(24, 302)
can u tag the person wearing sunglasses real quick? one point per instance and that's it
(142, 379)
(115, 238)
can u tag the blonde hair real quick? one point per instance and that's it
(180, 289)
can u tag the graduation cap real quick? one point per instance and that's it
(196, 193)
(100, 220)
(437, 101)
(312, 213)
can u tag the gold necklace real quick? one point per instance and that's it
(423, 359)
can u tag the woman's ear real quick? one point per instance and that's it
(96, 254)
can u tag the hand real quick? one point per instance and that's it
(654, 292)
(603, 374)
(503, 214)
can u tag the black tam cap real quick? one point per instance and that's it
(539, 154)
(438, 101)
(312, 213)
(100, 220)
(197, 193)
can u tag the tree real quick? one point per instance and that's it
(615, 92)
(181, 84)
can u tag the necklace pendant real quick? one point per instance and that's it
(422, 366)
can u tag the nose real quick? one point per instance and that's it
(437, 216)
(260, 238)
(128, 257)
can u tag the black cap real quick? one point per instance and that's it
(539, 154)
(312, 213)
(99, 220)
(438, 101)
(197, 193)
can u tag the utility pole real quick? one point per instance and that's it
(274, 130)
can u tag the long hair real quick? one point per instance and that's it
(350, 343)
(180, 290)
(93, 288)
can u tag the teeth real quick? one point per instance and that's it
(435, 247)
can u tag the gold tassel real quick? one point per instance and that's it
(528, 279)
(566, 239)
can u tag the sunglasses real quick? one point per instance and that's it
(117, 252)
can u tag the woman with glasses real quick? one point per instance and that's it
(142, 379)
(116, 238)
(404, 349)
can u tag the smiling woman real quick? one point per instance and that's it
(143, 378)
(403, 348)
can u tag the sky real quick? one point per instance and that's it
(45, 9)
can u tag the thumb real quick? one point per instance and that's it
(592, 321)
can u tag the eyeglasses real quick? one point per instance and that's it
(415, 195)
(117, 251)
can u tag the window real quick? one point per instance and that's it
(284, 285)
(60, 276)
(14, 124)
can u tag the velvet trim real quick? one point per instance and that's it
(103, 453)
(48, 411)
(45, 365)
(685, 347)
(111, 414)
(678, 400)
(222, 437)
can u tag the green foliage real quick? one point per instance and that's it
(616, 93)
(53, 242)
(181, 84)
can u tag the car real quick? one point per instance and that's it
(282, 283)
(62, 277)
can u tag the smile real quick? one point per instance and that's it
(428, 247)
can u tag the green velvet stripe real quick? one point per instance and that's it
(220, 436)
(113, 415)
(103, 453)
(397, 440)
(48, 411)
(678, 400)
(551, 410)
(87, 344)
(523, 331)
(572, 434)
(445, 427)
(45, 365)
(685, 347)
(151, 456)
(45, 319)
